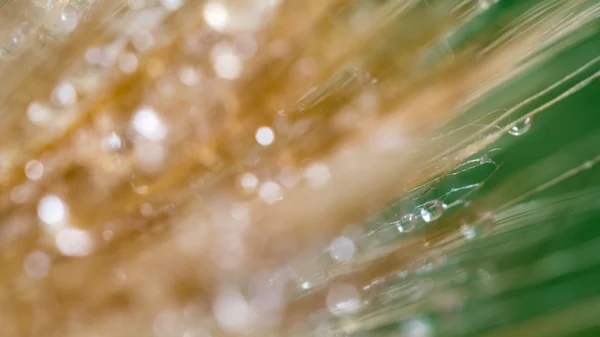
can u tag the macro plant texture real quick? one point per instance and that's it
(355, 168)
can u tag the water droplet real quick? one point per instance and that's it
(39, 114)
(270, 192)
(112, 142)
(342, 249)
(225, 62)
(189, 76)
(265, 136)
(521, 127)
(232, 311)
(147, 123)
(317, 174)
(477, 227)
(249, 182)
(64, 94)
(34, 169)
(343, 299)
(216, 15)
(128, 63)
(407, 223)
(52, 211)
(432, 210)
(74, 242)
(62, 22)
(468, 232)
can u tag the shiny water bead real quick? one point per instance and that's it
(112, 142)
(343, 299)
(226, 63)
(317, 174)
(62, 21)
(39, 114)
(407, 223)
(216, 15)
(469, 232)
(52, 211)
(249, 182)
(189, 76)
(265, 136)
(432, 210)
(232, 310)
(74, 242)
(521, 127)
(342, 249)
(270, 192)
(477, 227)
(148, 124)
(34, 170)
(64, 94)
(127, 63)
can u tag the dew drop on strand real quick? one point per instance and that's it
(407, 223)
(343, 299)
(433, 210)
(521, 127)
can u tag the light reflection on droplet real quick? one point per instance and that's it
(468, 232)
(216, 15)
(62, 22)
(225, 62)
(52, 211)
(148, 124)
(231, 310)
(342, 249)
(64, 94)
(143, 41)
(317, 174)
(432, 210)
(265, 136)
(406, 223)
(249, 182)
(37, 264)
(74, 242)
(521, 127)
(38, 114)
(127, 63)
(270, 192)
(34, 169)
(343, 299)
(189, 76)
(112, 142)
